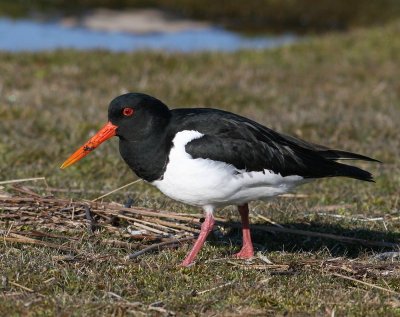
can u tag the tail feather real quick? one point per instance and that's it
(349, 170)
(322, 160)
(344, 155)
(353, 172)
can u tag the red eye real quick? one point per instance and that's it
(127, 112)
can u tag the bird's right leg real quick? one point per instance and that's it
(247, 249)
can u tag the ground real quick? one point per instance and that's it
(340, 90)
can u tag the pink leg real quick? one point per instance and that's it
(206, 228)
(247, 250)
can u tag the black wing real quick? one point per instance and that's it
(250, 146)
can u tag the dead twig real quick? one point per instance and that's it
(330, 207)
(24, 190)
(140, 211)
(350, 218)
(284, 272)
(37, 242)
(118, 243)
(156, 246)
(157, 225)
(258, 266)
(33, 179)
(270, 221)
(115, 190)
(214, 288)
(294, 196)
(158, 221)
(365, 283)
(174, 225)
(21, 286)
(142, 226)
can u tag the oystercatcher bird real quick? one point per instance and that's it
(212, 158)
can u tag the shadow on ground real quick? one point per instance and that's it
(268, 242)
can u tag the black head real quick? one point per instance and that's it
(133, 117)
(137, 115)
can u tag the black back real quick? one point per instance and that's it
(250, 146)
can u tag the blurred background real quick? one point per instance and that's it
(179, 25)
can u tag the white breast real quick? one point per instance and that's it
(204, 182)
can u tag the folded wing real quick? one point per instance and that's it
(250, 146)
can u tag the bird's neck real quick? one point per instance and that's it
(148, 157)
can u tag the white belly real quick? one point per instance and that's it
(203, 182)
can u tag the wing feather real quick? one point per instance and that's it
(250, 146)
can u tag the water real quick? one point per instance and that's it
(29, 35)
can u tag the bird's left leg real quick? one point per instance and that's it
(247, 249)
(206, 228)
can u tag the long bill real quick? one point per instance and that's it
(105, 133)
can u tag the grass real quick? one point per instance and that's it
(340, 90)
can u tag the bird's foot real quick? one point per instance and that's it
(245, 253)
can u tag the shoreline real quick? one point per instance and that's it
(136, 21)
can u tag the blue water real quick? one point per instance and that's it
(28, 35)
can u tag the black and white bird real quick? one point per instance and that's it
(212, 158)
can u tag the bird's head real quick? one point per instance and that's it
(132, 117)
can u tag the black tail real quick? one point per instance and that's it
(320, 161)
(343, 155)
(353, 172)
(349, 170)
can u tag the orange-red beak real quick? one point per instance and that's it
(107, 132)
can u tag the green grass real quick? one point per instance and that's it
(340, 90)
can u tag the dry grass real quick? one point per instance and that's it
(339, 90)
